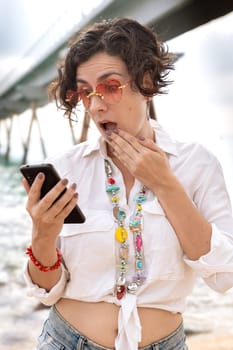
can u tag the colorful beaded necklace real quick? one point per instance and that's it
(123, 283)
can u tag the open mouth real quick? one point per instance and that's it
(108, 126)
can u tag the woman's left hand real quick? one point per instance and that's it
(143, 158)
(149, 164)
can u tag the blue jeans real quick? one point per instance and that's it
(58, 334)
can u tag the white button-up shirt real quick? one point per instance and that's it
(89, 249)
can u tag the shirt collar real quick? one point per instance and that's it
(97, 144)
(163, 141)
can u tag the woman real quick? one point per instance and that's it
(157, 211)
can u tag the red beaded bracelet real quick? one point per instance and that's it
(39, 265)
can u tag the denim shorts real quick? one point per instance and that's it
(58, 334)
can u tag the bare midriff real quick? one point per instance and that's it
(98, 321)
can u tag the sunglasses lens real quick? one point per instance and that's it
(84, 96)
(110, 91)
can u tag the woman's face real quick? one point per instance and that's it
(129, 113)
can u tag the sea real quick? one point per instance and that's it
(21, 317)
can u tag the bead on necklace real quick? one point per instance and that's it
(123, 282)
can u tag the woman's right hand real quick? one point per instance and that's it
(48, 216)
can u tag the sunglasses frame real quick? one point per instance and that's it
(74, 97)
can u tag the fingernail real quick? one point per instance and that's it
(116, 131)
(64, 182)
(75, 195)
(73, 186)
(40, 176)
(141, 138)
(108, 132)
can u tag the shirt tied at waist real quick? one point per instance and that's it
(129, 325)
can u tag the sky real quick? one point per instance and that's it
(30, 29)
(199, 105)
(203, 81)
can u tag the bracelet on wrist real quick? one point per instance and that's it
(42, 267)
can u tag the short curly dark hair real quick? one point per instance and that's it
(138, 47)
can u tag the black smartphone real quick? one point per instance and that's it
(76, 216)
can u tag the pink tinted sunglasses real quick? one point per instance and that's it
(109, 90)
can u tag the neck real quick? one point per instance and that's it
(149, 133)
(146, 131)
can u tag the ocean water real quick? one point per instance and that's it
(21, 317)
(19, 322)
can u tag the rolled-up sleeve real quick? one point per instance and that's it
(216, 267)
(212, 199)
(55, 293)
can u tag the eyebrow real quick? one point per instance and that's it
(102, 77)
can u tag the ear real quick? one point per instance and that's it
(147, 82)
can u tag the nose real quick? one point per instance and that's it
(96, 103)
